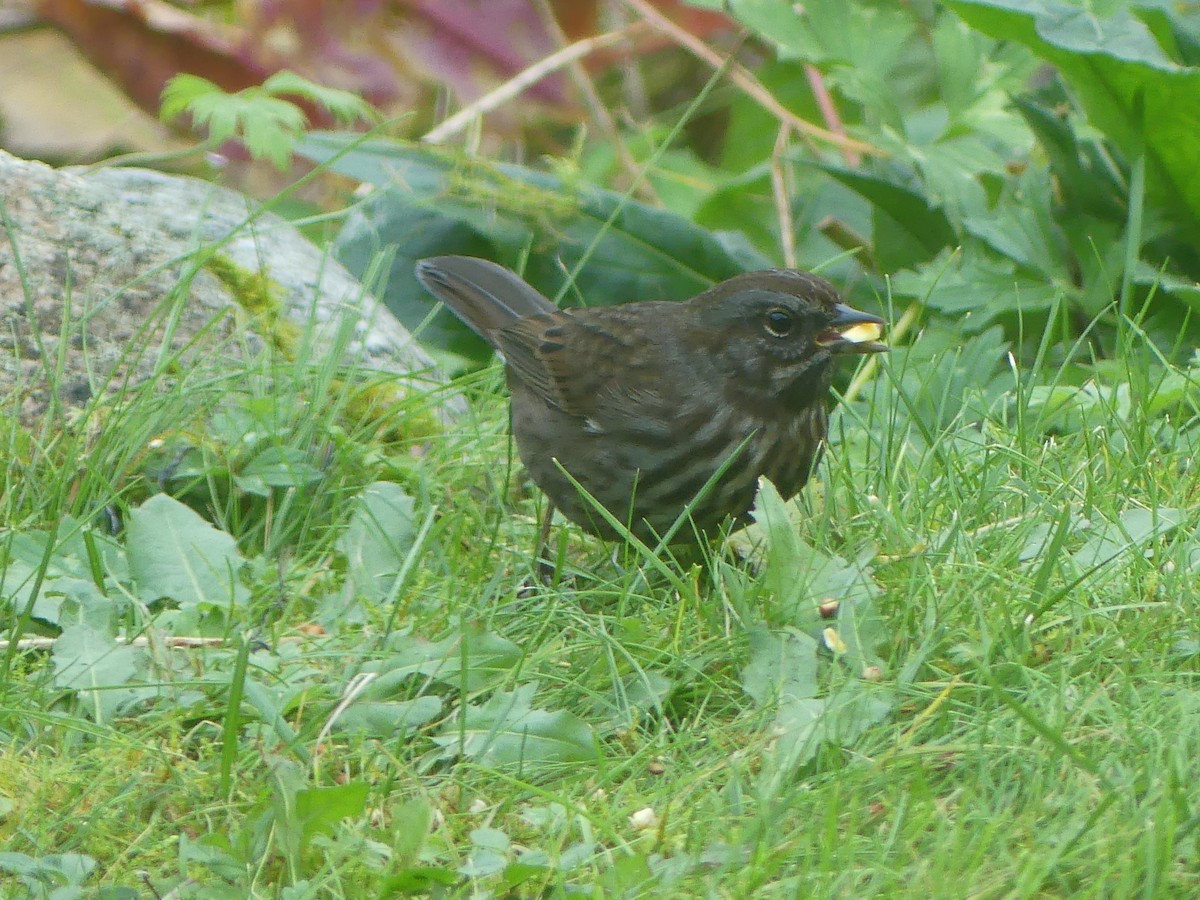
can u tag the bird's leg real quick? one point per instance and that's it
(545, 568)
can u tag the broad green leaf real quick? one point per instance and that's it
(38, 874)
(79, 551)
(908, 230)
(489, 854)
(623, 249)
(1066, 408)
(321, 809)
(174, 553)
(796, 576)
(1133, 530)
(277, 468)
(62, 601)
(419, 881)
(782, 673)
(782, 548)
(85, 658)
(385, 719)
(378, 538)
(1040, 537)
(508, 732)
(17, 581)
(471, 659)
(1132, 91)
(782, 667)
(1086, 179)
(382, 243)
(805, 725)
(636, 695)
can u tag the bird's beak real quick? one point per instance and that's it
(852, 331)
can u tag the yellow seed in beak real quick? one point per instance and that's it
(863, 332)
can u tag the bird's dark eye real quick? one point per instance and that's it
(779, 322)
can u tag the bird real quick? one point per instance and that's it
(664, 413)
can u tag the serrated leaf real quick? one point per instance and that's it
(782, 667)
(181, 92)
(344, 105)
(796, 576)
(508, 732)
(174, 553)
(267, 125)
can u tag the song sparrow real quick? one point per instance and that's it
(644, 403)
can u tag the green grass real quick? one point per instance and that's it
(1030, 599)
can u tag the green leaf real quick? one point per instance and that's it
(941, 378)
(174, 553)
(782, 667)
(267, 125)
(626, 249)
(1133, 530)
(343, 105)
(386, 719)
(320, 810)
(508, 732)
(378, 538)
(277, 468)
(805, 725)
(1021, 228)
(1085, 178)
(975, 281)
(85, 658)
(908, 230)
(782, 673)
(423, 880)
(410, 821)
(17, 581)
(1066, 408)
(64, 871)
(797, 577)
(382, 243)
(471, 660)
(181, 92)
(1131, 90)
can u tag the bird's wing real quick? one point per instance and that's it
(530, 350)
(610, 376)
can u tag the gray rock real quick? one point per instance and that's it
(113, 278)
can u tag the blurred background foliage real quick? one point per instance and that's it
(999, 177)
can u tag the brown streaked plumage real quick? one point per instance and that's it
(644, 403)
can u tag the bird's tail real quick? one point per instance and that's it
(486, 296)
